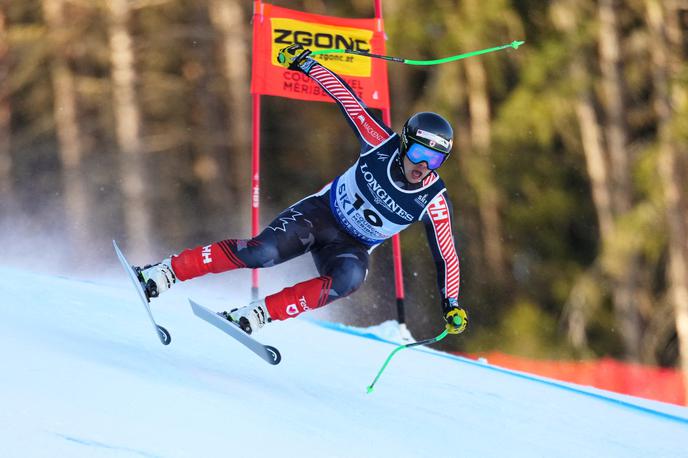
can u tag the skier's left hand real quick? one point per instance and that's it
(455, 316)
(291, 56)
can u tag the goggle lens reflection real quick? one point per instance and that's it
(418, 153)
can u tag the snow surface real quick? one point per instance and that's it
(83, 375)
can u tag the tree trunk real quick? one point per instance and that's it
(625, 293)
(211, 143)
(670, 97)
(137, 219)
(566, 18)
(6, 188)
(595, 159)
(598, 171)
(614, 104)
(67, 125)
(228, 19)
(479, 109)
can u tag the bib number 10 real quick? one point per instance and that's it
(369, 215)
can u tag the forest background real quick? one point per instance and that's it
(130, 119)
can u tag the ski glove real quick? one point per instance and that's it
(291, 56)
(456, 317)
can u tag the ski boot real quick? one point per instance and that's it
(250, 318)
(156, 278)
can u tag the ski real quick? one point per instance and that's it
(270, 354)
(161, 332)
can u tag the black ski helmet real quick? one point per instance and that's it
(429, 129)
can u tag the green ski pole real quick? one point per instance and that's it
(457, 322)
(513, 44)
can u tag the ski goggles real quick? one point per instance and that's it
(418, 153)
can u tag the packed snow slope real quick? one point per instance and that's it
(83, 375)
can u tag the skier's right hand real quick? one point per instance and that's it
(291, 56)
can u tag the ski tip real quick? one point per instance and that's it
(369, 389)
(274, 354)
(194, 307)
(164, 335)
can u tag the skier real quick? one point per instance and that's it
(392, 184)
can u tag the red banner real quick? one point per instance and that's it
(275, 28)
(661, 384)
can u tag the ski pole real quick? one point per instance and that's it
(513, 44)
(457, 322)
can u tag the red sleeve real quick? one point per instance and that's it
(370, 130)
(438, 225)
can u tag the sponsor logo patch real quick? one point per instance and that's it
(422, 200)
(433, 138)
(292, 310)
(207, 254)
